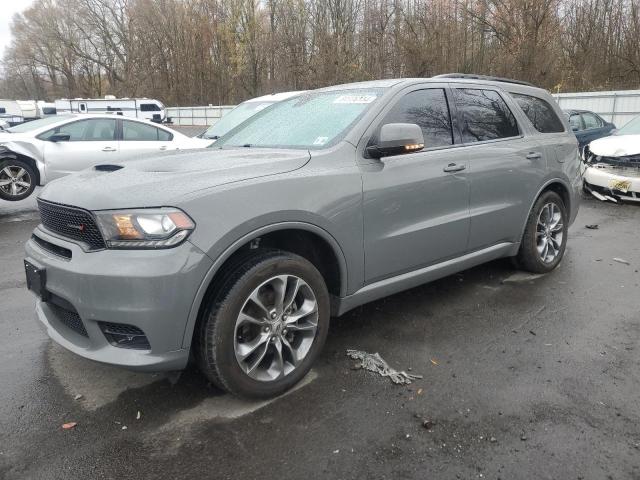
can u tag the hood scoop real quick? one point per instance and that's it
(107, 167)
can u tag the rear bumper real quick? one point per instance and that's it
(152, 290)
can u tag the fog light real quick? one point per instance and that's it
(124, 336)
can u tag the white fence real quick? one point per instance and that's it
(197, 116)
(618, 107)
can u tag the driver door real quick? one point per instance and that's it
(91, 142)
(416, 205)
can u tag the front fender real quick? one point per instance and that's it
(232, 247)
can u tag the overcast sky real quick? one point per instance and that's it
(8, 9)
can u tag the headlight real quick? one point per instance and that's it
(144, 228)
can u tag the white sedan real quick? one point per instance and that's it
(37, 152)
(612, 165)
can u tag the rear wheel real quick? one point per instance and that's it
(545, 236)
(262, 332)
(17, 179)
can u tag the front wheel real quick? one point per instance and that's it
(265, 327)
(17, 180)
(545, 235)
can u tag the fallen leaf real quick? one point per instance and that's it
(434, 362)
(419, 391)
(139, 415)
(77, 397)
(69, 426)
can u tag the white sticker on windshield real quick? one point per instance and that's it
(321, 140)
(355, 99)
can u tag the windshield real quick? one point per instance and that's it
(310, 121)
(35, 124)
(234, 118)
(631, 128)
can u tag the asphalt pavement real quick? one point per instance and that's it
(524, 377)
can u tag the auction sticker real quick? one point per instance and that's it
(359, 99)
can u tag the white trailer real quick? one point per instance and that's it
(46, 109)
(147, 108)
(11, 112)
(29, 109)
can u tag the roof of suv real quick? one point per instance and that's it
(503, 83)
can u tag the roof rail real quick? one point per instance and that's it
(472, 76)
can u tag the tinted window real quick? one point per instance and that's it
(98, 129)
(575, 122)
(540, 113)
(485, 115)
(136, 131)
(427, 108)
(149, 107)
(591, 121)
(3, 110)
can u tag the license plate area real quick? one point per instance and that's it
(36, 280)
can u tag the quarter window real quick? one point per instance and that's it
(136, 131)
(484, 115)
(540, 113)
(429, 109)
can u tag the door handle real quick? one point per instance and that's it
(108, 149)
(453, 167)
(163, 147)
(533, 155)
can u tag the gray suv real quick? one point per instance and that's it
(236, 256)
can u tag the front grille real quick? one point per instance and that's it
(69, 319)
(71, 222)
(626, 161)
(124, 336)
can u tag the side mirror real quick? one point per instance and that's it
(59, 137)
(397, 138)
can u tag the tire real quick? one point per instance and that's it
(530, 255)
(222, 338)
(17, 179)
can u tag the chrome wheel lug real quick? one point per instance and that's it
(273, 315)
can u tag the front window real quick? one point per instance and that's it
(631, 128)
(310, 121)
(234, 118)
(36, 124)
(91, 130)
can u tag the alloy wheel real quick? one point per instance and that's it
(549, 232)
(276, 328)
(14, 180)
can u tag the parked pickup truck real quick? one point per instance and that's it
(238, 255)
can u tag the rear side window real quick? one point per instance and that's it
(575, 122)
(3, 110)
(136, 131)
(149, 107)
(427, 108)
(540, 113)
(484, 115)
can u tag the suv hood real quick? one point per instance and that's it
(168, 179)
(616, 146)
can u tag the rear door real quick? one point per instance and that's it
(505, 166)
(92, 142)
(139, 138)
(416, 205)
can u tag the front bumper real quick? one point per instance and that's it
(152, 290)
(622, 182)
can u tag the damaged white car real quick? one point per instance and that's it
(36, 152)
(611, 169)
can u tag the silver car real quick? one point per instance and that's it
(238, 255)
